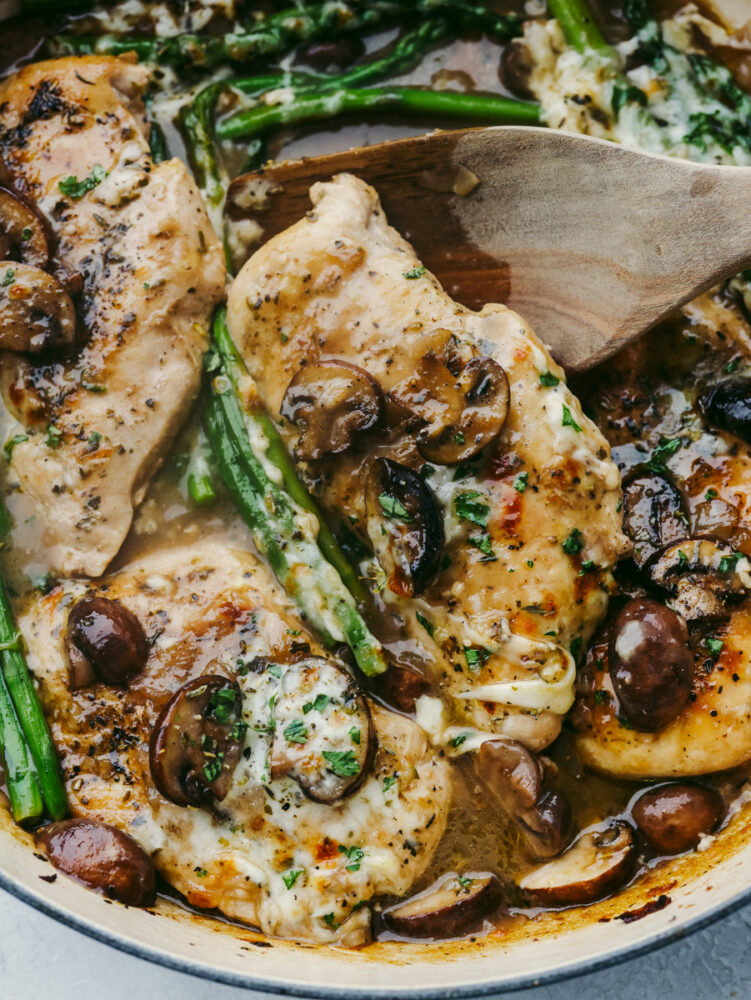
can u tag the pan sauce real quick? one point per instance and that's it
(710, 336)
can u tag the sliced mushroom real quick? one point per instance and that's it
(702, 578)
(104, 641)
(595, 865)
(450, 908)
(22, 232)
(331, 402)
(101, 857)
(674, 817)
(323, 734)
(405, 526)
(654, 514)
(459, 413)
(517, 778)
(197, 741)
(727, 405)
(35, 310)
(401, 686)
(516, 68)
(651, 664)
(717, 518)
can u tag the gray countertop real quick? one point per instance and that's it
(41, 958)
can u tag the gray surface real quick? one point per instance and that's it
(41, 958)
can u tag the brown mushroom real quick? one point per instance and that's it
(458, 413)
(651, 664)
(197, 741)
(401, 686)
(331, 402)
(596, 864)
(405, 526)
(35, 310)
(101, 857)
(654, 514)
(727, 405)
(516, 68)
(104, 641)
(700, 576)
(517, 778)
(323, 734)
(449, 908)
(716, 518)
(673, 818)
(22, 233)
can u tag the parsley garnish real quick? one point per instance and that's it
(710, 494)
(388, 782)
(665, 447)
(93, 387)
(213, 769)
(727, 563)
(568, 420)
(393, 508)
(548, 379)
(574, 543)
(416, 272)
(53, 436)
(715, 646)
(223, 705)
(521, 482)
(483, 543)
(8, 278)
(201, 872)
(274, 669)
(341, 762)
(458, 740)
(601, 697)
(296, 732)
(291, 876)
(354, 735)
(475, 657)
(331, 921)
(75, 189)
(355, 856)
(318, 704)
(468, 508)
(426, 624)
(10, 445)
(464, 881)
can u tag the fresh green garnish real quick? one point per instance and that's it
(601, 697)
(296, 732)
(223, 705)
(354, 735)
(25, 234)
(342, 762)
(576, 647)
(201, 872)
(464, 881)
(93, 386)
(426, 624)
(476, 657)
(330, 919)
(574, 543)
(53, 436)
(8, 278)
(11, 444)
(416, 272)
(468, 508)
(354, 855)
(388, 782)
(568, 420)
(728, 563)
(715, 646)
(393, 508)
(710, 494)
(75, 189)
(521, 482)
(484, 544)
(458, 740)
(318, 704)
(548, 379)
(274, 669)
(291, 876)
(665, 447)
(213, 768)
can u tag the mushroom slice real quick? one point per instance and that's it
(104, 641)
(595, 865)
(460, 414)
(400, 686)
(517, 778)
(405, 526)
(323, 734)
(331, 402)
(654, 514)
(451, 907)
(727, 405)
(702, 577)
(197, 741)
(22, 232)
(35, 310)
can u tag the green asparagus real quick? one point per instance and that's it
(20, 775)
(579, 26)
(312, 581)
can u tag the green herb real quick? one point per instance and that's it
(318, 704)
(53, 436)
(388, 782)
(354, 735)
(416, 272)
(393, 508)
(355, 856)
(521, 482)
(715, 646)
(294, 631)
(223, 705)
(548, 379)
(568, 420)
(44, 582)
(530, 563)
(601, 697)
(201, 872)
(682, 558)
(665, 447)
(426, 472)
(331, 921)
(291, 876)
(25, 234)
(459, 437)
(342, 762)
(574, 543)
(587, 566)
(623, 722)
(627, 95)
(93, 386)
(95, 439)
(274, 669)
(213, 768)
(8, 278)
(476, 657)
(426, 624)
(468, 508)
(732, 366)
(296, 732)
(238, 731)
(458, 740)
(464, 881)
(10, 445)
(75, 189)
(727, 563)
(484, 544)
(710, 494)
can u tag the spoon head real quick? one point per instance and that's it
(585, 239)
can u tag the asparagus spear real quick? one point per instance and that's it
(20, 775)
(311, 581)
(19, 685)
(407, 100)
(578, 26)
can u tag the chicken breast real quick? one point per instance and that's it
(93, 427)
(266, 854)
(531, 526)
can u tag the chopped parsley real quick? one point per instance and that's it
(296, 732)
(484, 544)
(715, 646)
(317, 705)
(602, 697)
(354, 855)
(75, 189)
(388, 782)
(93, 386)
(665, 447)
(275, 670)
(469, 508)
(393, 508)
(238, 731)
(223, 705)
(732, 366)
(710, 494)
(459, 437)
(548, 379)
(682, 558)
(426, 623)
(568, 420)
(201, 872)
(464, 881)
(25, 234)
(213, 768)
(291, 876)
(330, 919)
(11, 444)
(95, 439)
(341, 762)
(354, 735)
(458, 740)
(416, 272)
(521, 482)
(476, 657)
(8, 278)
(574, 543)
(727, 563)
(53, 436)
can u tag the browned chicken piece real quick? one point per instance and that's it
(273, 848)
(94, 424)
(489, 499)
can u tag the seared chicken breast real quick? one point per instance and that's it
(94, 423)
(517, 537)
(290, 855)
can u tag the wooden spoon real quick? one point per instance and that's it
(591, 242)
